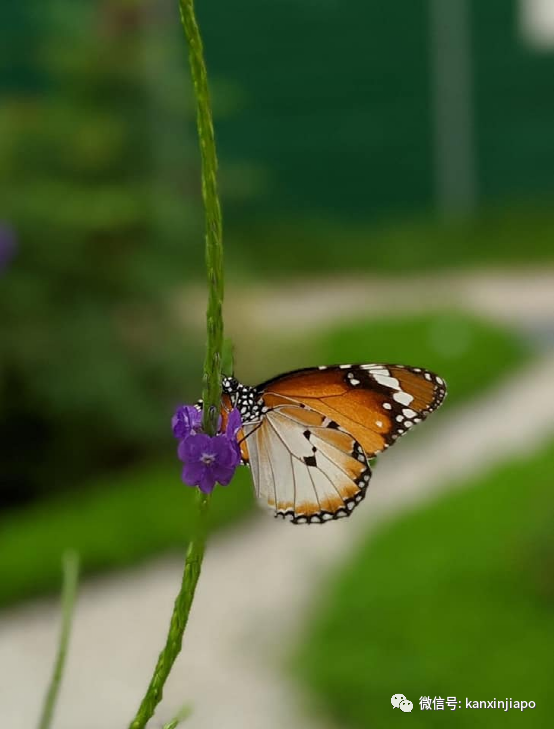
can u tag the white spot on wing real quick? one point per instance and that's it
(402, 397)
(387, 381)
(381, 371)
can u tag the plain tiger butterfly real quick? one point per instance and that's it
(308, 435)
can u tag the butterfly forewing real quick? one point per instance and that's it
(374, 403)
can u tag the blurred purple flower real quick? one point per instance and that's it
(208, 460)
(8, 245)
(186, 421)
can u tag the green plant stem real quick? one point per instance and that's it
(212, 366)
(179, 619)
(69, 592)
(214, 243)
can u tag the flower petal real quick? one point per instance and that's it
(222, 449)
(223, 474)
(193, 472)
(234, 424)
(207, 482)
(192, 448)
(187, 420)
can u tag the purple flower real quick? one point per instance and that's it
(7, 245)
(208, 460)
(234, 424)
(186, 421)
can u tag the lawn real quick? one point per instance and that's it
(118, 520)
(456, 599)
(520, 234)
(123, 518)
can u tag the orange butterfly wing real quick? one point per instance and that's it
(307, 435)
(373, 403)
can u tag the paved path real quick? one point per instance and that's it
(257, 585)
(521, 298)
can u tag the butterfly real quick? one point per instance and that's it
(308, 435)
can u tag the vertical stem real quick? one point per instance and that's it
(69, 592)
(214, 245)
(212, 366)
(179, 619)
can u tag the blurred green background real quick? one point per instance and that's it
(391, 143)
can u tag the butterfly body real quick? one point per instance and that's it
(308, 435)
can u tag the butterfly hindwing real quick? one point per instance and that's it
(304, 466)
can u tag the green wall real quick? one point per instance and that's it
(335, 101)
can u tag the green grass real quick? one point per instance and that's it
(119, 521)
(122, 519)
(456, 599)
(506, 236)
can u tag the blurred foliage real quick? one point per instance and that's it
(96, 177)
(99, 172)
(120, 519)
(496, 236)
(456, 599)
